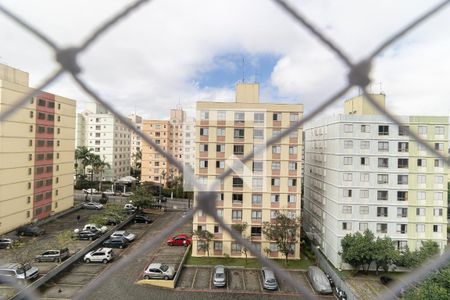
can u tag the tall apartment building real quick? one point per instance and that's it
(135, 139)
(267, 184)
(171, 135)
(36, 152)
(107, 137)
(364, 172)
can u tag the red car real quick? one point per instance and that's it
(179, 240)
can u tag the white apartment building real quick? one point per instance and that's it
(364, 172)
(135, 139)
(189, 142)
(107, 137)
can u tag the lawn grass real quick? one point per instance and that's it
(303, 263)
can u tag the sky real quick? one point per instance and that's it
(175, 52)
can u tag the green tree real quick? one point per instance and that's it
(242, 229)
(358, 249)
(412, 259)
(22, 255)
(435, 287)
(384, 253)
(285, 231)
(142, 198)
(99, 165)
(204, 238)
(81, 159)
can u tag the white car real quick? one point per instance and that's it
(92, 205)
(129, 206)
(109, 193)
(89, 191)
(127, 194)
(159, 271)
(103, 255)
(125, 234)
(94, 227)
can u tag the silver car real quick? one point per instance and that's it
(18, 271)
(269, 280)
(220, 276)
(159, 271)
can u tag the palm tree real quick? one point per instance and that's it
(81, 159)
(91, 160)
(99, 166)
(137, 162)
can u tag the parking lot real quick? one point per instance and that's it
(239, 280)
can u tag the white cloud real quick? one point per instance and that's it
(150, 61)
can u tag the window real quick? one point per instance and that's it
(348, 144)
(203, 164)
(383, 162)
(363, 227)
(41, 102)
(364, 145)
(276, 165)
(402, 179)
(346, 226)
(259, 117)
(238, 182)
(257, 183)
(50, 117)
(239, 133)
(402, 196)
(204, 131)
(403, 147)
(438, 196)
(236, 214)
(293, 117)
(402, 228)
(382, 211)
(220, 131)
(421, 179)
(383, 130)
(421, 195)
(204, 115)
(422, 130)
(274, 198)
(346, 209)
(239, 117)
(382, 195)
(220, 148)
(438, 163)
(257, 166)
(218, 246)
(276, 116)
(365, 128)
(347, 176)
(348, 128)
(292, 150)
(420, 211)
(364, 161)
(256, 214)
(348, 161)
(381, 228)
(256, 231)
(439, 146)
(258, 134)
(347, 193)
(256, 199)
(383, 178)
(238, 149)
(292, 166)
(275, 181)
(217, 229)
(437, 228)
(237, 198)
(439, 130)
(421, 162)
(41, 116)
(276, 149)
(402, 212)
(364, 193)
(203, 147)
(383, 146)
(363, 210)
(292, 182)
(420, 227)
(31, 114)
(292, 198)
(437, 212)
(438, 179)
(235, 247)
(402, 163)
(364, 177)
(51, 104)
(221, 115)
(403, 130)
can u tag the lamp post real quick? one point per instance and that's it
(163, 174)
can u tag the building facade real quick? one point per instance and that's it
(36, 153)
(257, 190)
(106, 136)
(135, 139)
(364, 172)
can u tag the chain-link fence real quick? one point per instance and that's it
(358, 76)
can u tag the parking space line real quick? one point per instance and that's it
(210, 279)
(228, 279)
(258, 274)
(193, 279)
(243, 279)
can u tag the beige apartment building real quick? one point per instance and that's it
(269, 183)
(36, 153)
(170, 136)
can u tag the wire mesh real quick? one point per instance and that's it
(358, 76)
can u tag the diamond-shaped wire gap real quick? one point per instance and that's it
(142, 251)
(29, 28)
(312, 29)
(109, 23)
(22, 101)
(293, 127)
(399, 123)
(408, 28)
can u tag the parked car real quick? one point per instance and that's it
(109, 193)
(129, 207)
(94, 227)
(103, 255)
(6, 243)
(15, 270)
(88, 234)
(219, 276)
(111, 220)
(319, 281)
(142, 219)
(92, 205)
(89, 191)
(159, 271)
(125, 234)
(30, 230)
(179, 240)
(269, 280)
(117, 242)
(53, 255)
(127, 194)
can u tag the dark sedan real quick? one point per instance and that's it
(116, 243)
(6, 243)
(142, 219)
(89, 234)
(30, 231)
